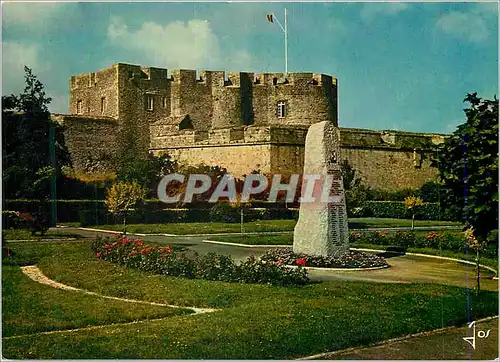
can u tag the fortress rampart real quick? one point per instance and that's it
(241, 121)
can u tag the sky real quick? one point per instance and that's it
(400, 66)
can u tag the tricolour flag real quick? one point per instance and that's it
(269, 17)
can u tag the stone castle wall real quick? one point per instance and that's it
(91, 142)
(231, 120)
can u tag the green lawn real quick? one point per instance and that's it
(256, 322)
(30, 307)
(262, 226)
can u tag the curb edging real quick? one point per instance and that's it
(397, 339)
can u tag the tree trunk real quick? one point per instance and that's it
(412, 221)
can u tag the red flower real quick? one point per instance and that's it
(26, 216)
(139, 242)
(301, 262)
(133, 253)
(146, 250)
(108, 246)
(98, 254)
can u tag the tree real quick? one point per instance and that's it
(355, 192)
(26, 123)
(123, 198)
(412, 203)
(147, 172)
(468, 168)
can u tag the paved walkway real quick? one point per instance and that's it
(404, 269)
(443, 345)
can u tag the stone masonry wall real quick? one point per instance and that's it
(238, 159)
(91, 141)
(389, 169)
(96, 92)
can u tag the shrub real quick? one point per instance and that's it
(224, 212)
(166, 261)
(213, 266)
(435, 240)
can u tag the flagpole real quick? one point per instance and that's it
(271, 17)
(286, 46)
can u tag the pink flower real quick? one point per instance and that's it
(98, 254)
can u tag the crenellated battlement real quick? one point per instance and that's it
(190, 77)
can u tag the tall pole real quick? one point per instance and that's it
(53, 193)
(286, 45)
(284, 29)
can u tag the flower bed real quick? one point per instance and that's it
(166, 260)
(353, 259)
(453, 241)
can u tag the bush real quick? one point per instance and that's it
(166, 261)
(224, 212)
(434, 240)
(429, 192)
(397, 210)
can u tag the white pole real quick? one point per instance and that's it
(286, 46)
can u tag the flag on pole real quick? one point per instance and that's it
(269, 17)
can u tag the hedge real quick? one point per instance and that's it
(398, 210)
(94, 212)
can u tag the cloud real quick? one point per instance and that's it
(14, 57)
(191, 44)
(370, 12)
(29, 13)
(465, 25)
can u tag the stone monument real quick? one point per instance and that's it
(322, 226)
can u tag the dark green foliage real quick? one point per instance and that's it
(397, 210)
(148, 171)
(468, 167)
(435, 240)
(25, 142)
(224, 212)
(430, 192)
(355, 192)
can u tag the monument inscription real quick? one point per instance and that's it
(322, 226)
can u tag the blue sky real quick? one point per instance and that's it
(405, 66)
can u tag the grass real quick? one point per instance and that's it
(24, 234)
(30, 307)
(257, 321)
(262, 226)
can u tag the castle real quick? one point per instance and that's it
(241, 121)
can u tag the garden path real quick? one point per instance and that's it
(403, 269)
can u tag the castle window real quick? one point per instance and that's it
(164, 102)
(149, 102)
(281, 110)
(103, 104)
(79, 107)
